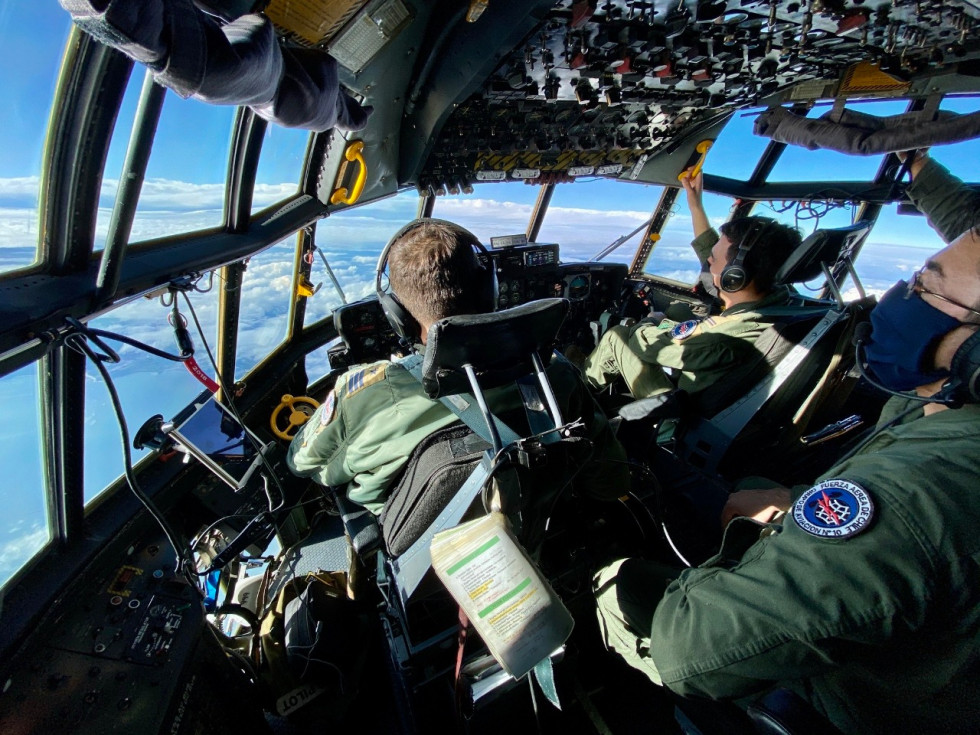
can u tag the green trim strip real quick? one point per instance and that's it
(501, 600)
(471, 556)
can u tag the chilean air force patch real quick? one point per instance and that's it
(684, 329)
(834, 509)
(329, 407)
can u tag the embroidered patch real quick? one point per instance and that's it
(360, 379)
(684, 329)
(329, 405)
(834, 509)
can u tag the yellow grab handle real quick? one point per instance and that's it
(353, 153)
(703, 147)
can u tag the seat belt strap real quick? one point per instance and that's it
(410, 567)
(465, 407)
(734, 418)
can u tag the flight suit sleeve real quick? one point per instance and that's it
(951, 206)
(795, 606)
(696, 352)
(703, 244)
(317, 449)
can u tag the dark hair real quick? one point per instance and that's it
(773, 244)
(433, 270)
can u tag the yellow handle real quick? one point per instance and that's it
(703, 147)
(353, 153)
(300, 409)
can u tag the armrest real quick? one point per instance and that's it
(360, 524)
(784, 712)
(656, 408)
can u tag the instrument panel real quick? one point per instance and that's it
(126, 651)
(525, 272)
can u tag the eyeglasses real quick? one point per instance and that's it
(915, 287)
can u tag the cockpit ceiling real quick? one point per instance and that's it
(605, 89)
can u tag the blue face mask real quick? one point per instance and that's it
(904, 330)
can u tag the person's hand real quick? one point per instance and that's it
(921, 154)
(693, 187)
(760, 505)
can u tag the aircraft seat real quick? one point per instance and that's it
(459, 471)
(802, 378)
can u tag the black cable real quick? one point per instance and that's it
(139, 345)
(200, 535)
(77, 341)
(111, 355)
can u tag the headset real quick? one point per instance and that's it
(734, 276)
(405, 325)
(963, 385)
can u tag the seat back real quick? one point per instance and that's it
(833, 249)
(464, 356)
(434, 473)
(812, 360)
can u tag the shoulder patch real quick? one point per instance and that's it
(684, 329)
(329, 408)
(360, 379)
(834, 509)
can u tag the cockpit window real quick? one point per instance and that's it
(960, 158)
(672, 257)
(147, 384)
(898, 245)
(265, 304)
(351, 240)
(737, 150)
(184, 187)
(492, 209)
(27, 96)
(25, 526)
(800, 164)
(280, 164)
(585, 218)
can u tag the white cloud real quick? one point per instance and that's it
(20, 186)
(16, 551)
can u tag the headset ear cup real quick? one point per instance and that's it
(965, 369)
(401, 321)
(732, 278)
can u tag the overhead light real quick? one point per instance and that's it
(311, 24)
(371, 31)
(475, 10)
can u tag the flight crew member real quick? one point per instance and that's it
(865, 597)
(377, 414)
(702, 354)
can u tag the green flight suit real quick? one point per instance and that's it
(952, 207)
(377, 414)
(879, 630)
(702, 354)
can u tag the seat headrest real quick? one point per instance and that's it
(497, 345)
(823, 246)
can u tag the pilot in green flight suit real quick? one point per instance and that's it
(376, 415)
(705, 353)
(865, 597)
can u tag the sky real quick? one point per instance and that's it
(184, 191)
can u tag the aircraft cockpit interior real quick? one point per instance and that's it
(251, 490)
